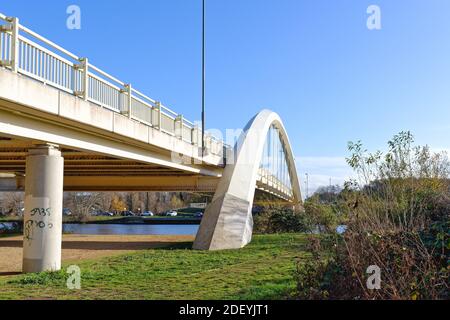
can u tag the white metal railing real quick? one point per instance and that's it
(269, 180)
(26, 52)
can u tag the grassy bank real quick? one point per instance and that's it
(263, 270)
(9, 235)
(10, 219)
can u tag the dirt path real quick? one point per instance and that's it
(80, 247)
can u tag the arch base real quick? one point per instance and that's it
(227, 224)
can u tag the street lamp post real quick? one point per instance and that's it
(203, 78)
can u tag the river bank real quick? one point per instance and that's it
(76, 248)
(262, 270)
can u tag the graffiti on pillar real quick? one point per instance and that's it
(39, 217)
(32, 224)
(28, 230)
(41, 212)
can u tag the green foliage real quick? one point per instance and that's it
(44, 278)
(397, 213)
(323, 215)
(281, 220)
(314, 277)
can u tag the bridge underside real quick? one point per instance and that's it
(91, 172)
(88, 171)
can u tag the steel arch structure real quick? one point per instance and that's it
(228, 221)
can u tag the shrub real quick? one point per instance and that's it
(398, 219)
(323, 216)
(280, 220)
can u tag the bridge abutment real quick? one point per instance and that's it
(43, 209)
(227, 224)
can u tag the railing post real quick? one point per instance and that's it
(157, 108)
(129, 100)
(195, 132)
(14, 44)
(207, 143)
(179, 127)
(84, 68)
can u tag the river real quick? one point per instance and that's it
(123, 229)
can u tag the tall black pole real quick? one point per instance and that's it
(203, 80)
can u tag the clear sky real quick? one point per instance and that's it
(313, 61)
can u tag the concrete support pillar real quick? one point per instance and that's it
(43, 209)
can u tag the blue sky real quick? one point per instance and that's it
(312, 61)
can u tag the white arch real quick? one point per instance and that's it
(228, 221)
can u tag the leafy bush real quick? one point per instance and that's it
(321, 215)
(398, 219)
(280, 220)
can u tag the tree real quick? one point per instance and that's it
(117, 204)
(12, 203)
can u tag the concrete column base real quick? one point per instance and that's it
(43, 210)
(227, 224)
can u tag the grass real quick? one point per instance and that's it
(191, 211)
(9, 235)
(262, 270)
(10, 219)
(74, 219)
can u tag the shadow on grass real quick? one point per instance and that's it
(6, 274)
(109, 245)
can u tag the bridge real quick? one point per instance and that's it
(66, 125)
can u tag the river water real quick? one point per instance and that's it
(123, 229)
(140, 229)
(136, 229)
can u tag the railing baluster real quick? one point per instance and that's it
(25, 58)
(1, 46)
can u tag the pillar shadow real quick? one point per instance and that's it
(11, 244)
(108, 245)
(5, 274)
